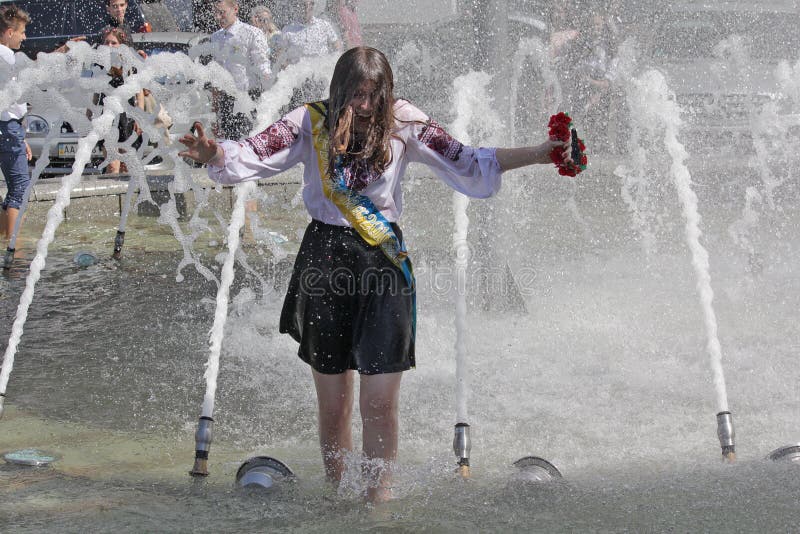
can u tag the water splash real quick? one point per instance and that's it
(271, 102)
(662, 110)
(641, 194)
(741, 229)
(59, 74)
(470, 103)
(57, 81)
(101, 127)
(544, 97)
(223, 294)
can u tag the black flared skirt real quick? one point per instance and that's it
(348, 305)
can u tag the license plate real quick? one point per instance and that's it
(68, 150)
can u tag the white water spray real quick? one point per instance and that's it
(464, 95)
(462, 255)
(100, 127)
(57, 81)
(203, 435)
(270, 103)
(54, 72)
(662, 109)
(471, 106)
(223, 296)
(545, 96)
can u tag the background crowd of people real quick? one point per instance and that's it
(584, 40)
(256, 39)
(253, 52)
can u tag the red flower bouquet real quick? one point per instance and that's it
(560, 126)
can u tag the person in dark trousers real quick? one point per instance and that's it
(243, 51)
(14, 150)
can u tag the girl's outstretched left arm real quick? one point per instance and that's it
(514, 158)
(473, 171)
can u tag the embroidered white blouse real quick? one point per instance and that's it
(287, 142)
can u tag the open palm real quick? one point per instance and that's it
(198, 147)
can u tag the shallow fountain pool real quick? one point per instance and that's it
(605, 375)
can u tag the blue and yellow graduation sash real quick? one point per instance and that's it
(358, 209)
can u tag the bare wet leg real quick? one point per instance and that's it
(378, 400)
(335, 402)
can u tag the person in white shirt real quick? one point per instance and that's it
(244, 52)
(14, 150)
(351, 299)
(343, 14)
(308, 36)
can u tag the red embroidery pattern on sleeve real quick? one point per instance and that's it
(278, 136)
(440, 141)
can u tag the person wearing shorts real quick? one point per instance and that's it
(14, 150)
(351, 301)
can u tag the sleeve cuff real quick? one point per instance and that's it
(487, 161)
(218, 161)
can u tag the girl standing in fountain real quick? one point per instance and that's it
(351, 299)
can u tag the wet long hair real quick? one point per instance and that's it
(356, 66)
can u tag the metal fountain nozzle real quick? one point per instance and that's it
(787, 453)
(8, 259)
(726, 435)
(119, 240)
(202, 440)
(461, 447)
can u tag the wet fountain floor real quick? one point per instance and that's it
(606, 375)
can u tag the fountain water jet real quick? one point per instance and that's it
(203, 435)
(119, 239)
(35, 75)
(470, 105)
(470, 91)
(653, 101)
(54, 218)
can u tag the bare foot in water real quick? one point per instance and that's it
(379, 495)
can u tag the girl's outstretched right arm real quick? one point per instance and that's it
(272, 151)
(199, 147)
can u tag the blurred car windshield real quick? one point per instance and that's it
(160, 48)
